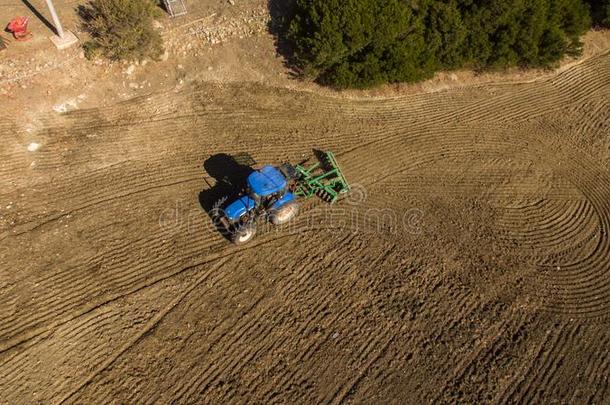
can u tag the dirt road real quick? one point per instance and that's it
(471, 263)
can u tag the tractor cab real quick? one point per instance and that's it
(266, 183)
(267, 190)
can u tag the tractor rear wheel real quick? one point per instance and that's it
(284, 214)
(244, 234)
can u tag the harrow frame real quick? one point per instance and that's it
(324, 179)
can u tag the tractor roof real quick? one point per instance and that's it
(266, 181)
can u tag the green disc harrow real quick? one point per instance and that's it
(323, 179)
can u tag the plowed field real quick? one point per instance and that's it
(471, 262)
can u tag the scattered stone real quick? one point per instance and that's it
(33, 147)
(129, 71)
(70, 104)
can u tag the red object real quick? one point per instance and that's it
(19, 27)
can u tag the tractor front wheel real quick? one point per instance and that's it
(284, 214)
(244, 234)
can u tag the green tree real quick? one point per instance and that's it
(445, 32)
(524, 32)
(122, 29)
(359, 43)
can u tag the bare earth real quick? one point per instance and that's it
(470, 263)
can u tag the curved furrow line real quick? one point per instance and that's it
(581, 247)
(81, 286)
(369, 356)
(599, 375)
(571, 78)
(531, 210)
(290, 289)
(595, 362)
(580, 285)
(571, 255)
(137, 179)
(586, 88)
(550, 213)
(91, 203)
(254, 348)
(551, 355)
(152, 323)
(19, 369)
(67, 341)
(520, 381)
(292, 374)
(551, 240)
(551, 371)
(11, 341)
(590, 116)
(200, 381)
(558, 227)
(509, 107)
(550, 210)
(587, 80)
(591, 187)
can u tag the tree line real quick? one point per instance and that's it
(362, 43)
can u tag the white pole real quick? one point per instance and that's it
(58, 27)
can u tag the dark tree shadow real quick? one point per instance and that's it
(40, 16)
(281, 12)
(86, 13)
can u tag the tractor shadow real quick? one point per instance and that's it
(229, 174)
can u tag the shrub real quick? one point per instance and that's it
(122, 29)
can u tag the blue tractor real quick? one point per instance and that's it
(272, 193)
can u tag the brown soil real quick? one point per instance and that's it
(471, 262)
